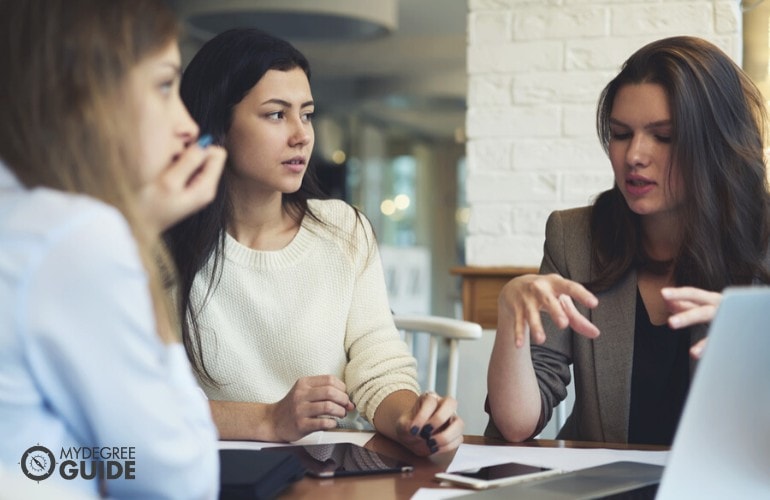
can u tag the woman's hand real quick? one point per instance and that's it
(521, 300)
(431, 425)
(310, 406)
(691, 306)
(187, 185)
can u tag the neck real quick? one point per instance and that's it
(661, 236)
(259, 220)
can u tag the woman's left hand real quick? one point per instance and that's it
(431, 426)
(691, 306)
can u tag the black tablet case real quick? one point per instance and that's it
(255, 475)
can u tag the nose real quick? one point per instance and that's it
(184, 126)
(301, 132)
(638, 153)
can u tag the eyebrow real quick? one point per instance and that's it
(659, 123)
(287, 104)
(177, 69)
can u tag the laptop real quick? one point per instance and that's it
(722, 445)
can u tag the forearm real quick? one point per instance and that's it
(237, 420)
(514, 394)
(391, 409)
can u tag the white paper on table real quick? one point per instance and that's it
(439, 493)
(318, 437)
(473, 456)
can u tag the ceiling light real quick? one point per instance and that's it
(292, 19)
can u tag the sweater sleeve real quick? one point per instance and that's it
(379, 361)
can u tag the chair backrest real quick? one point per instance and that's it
(439, 328)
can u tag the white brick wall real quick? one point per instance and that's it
(536, 68)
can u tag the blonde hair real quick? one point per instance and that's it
(67, 121)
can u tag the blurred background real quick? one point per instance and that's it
(389, 81)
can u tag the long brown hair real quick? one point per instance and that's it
(718, 131)
(67, 121)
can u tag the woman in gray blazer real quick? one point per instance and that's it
(635, 277)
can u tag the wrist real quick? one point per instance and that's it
(396, 408)
(266, 423)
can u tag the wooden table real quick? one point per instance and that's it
(403, 486)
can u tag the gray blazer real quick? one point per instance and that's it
(602, 366)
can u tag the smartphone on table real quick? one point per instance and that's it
(497, 475)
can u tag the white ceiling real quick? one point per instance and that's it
(412, 79)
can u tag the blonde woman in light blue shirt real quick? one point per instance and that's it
(99, 155)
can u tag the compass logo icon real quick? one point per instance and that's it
(38, 463)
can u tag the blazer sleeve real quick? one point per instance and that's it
(552, 359)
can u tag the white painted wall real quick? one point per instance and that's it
(535, 70)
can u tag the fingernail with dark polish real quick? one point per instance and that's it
(431, 443)
(414, 430)
(205, 140)
(433, 449)
(426, 431)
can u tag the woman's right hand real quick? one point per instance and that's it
(187, 185)
(309, 406)
(512, 386)
(521, 300)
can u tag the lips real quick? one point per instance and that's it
(637, 185)
(296, 164)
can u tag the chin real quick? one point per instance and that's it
(647, 211)
(291, 189)
(639, 207)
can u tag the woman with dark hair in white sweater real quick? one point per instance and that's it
(286, 315)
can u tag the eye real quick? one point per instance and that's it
(308, 117)
(277, 115)
(166, 87)
(663, 138)
(620, 136)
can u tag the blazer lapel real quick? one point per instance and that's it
(613, 356)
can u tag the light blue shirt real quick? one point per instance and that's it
(81, 364)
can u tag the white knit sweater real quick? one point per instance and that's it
(317, 306)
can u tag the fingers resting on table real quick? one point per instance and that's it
(433, 425)
(311, 405)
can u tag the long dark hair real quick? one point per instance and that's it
(220, 75)
(718, 120)
(218, 78)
